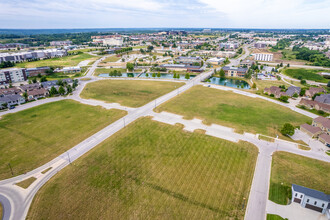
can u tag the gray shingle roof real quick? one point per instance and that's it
(311, 192)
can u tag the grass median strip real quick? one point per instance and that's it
(151, 170)
(131, 93)
(233, 110)
(34, 136)
(290, 169)
(26, 183)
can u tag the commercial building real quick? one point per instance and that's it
(229, 45)
(12, 75)
(115, 41)
(189, 60)
(31, 72)
(235, 71)
(60, 43)
(215, 61)
(31, 55)
(263, 56)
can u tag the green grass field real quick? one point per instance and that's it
(274, 217)
(151, 170)
(306, 74)
(262, 84)
(233, 110)
(289, 168)
(34, 136)
(131, 93)
(72, 60)
(99, 71)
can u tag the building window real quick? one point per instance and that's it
(300, 196)
(322, 205)
(307, 200)
(315, 203)
(296, 194)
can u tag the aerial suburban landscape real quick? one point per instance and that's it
(158, 114)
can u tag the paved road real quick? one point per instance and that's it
(236, 61)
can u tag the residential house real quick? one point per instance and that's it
(323, 123)
(29, 87)
(323, 98)
(307, 103)
(10, 91)
(37, 93)
(11, 100)
(325, 139)
(276, 91)
(293, 90)
(322, 107)
(49, 84)
(311, 199)
(235, 71)
(312, 131)
(314, 90)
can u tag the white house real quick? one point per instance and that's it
(311, 199)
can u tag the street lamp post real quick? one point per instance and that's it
(11, 169)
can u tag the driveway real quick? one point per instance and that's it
(294, 211)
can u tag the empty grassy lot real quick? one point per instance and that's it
(131, 93)
(1, 211)
(289, 168)
(113, 58)
(307, 74)
(233, 110)
(151, 170)
(262, 84)
(99, 71)
(34, 136)
(72, 60)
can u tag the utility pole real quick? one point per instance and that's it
(11, 170)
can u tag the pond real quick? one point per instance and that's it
(122, 75)
(234, 83)
(143, 75)
(164, 76)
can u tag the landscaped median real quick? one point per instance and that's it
(35, 136)
(130, 93)
(151, 170)
(290, 169)
(230, 109)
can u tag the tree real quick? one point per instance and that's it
(174, 75)
(153, 74)
(61, 90)
(43, 79)
(34, 80)
(25, 95)
(158, 74)
(302, 92)
(295, 95)
(68, 89)
(130, 66)
(59, 82)
(53, 91)
(222, 74)
(147, 74)
(187, 76)
(284, 98)
(303, 82)
(287, 129)
(328, 84)
(288, 65)
(254, 86)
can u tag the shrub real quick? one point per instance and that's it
(287, 129)
(284, 98)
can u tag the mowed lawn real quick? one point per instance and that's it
(35, 136)
(233, 110)
(308, 74)
(151, 170)
(72, 60)
(289, 168)
(131, 93)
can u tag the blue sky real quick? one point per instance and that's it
(164, 13)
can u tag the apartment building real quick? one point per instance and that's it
(12, 75)
(229, 45)
(60, 43)
(37, 54)
(263, 56)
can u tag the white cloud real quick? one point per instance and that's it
(273, 13)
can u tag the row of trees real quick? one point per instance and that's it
(124, 50)
(7, 64)
(314, 56)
